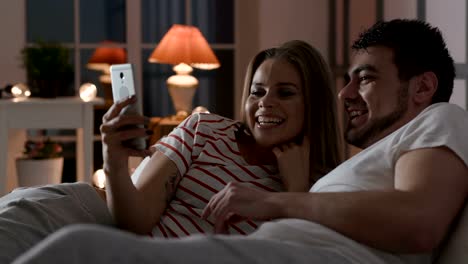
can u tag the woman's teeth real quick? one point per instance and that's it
(269, 121)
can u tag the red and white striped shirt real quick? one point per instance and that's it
(205, 150)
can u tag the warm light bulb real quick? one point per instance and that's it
(99, 178)
(182, 68)
(20, 90)
(88, 91)
(182, 79)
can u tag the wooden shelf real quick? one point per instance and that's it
(61, 138)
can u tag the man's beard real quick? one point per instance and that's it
(369, 134)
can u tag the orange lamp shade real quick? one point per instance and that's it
(105, 56)
(185, 44)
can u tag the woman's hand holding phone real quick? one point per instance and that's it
(116, 129)
(123, 86)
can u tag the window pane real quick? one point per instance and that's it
(215, 19)
(158, 16)
(102, 20)
(459, 95)
(215, 90)
(69, 90)
(88, 75)
(156, 99)
(49, 20)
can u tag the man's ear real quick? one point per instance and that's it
(425, 88)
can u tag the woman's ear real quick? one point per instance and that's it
(426, 86)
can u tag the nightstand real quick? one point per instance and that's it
(161, 126)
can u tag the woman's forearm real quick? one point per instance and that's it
(136, 208)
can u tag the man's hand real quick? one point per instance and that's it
(237, 202)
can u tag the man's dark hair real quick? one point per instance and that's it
(418, 47)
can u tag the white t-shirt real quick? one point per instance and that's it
(438, 125)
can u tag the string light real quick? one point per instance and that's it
(99, 179)
(88, 91)
(20, 91)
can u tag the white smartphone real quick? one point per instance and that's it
(123, 85)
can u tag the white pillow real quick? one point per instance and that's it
(456, 249)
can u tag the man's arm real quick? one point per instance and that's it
(430, 188)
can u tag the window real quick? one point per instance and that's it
(137, 26)
(83, 25)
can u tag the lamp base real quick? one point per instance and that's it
(182, 97)
(180, 115)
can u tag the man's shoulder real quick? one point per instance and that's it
(444, 110)
(436, 118)
(439, 117)
(440, 125)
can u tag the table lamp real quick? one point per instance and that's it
(184, 47)
(102, 58)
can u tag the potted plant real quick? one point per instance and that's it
(41, 163)
(48, 67)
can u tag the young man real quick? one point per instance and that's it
(392, 203)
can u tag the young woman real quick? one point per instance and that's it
(287, 139)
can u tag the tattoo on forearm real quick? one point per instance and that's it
(171, 185)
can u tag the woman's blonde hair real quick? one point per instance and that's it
(320, 117)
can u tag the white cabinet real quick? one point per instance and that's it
(39, 113)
